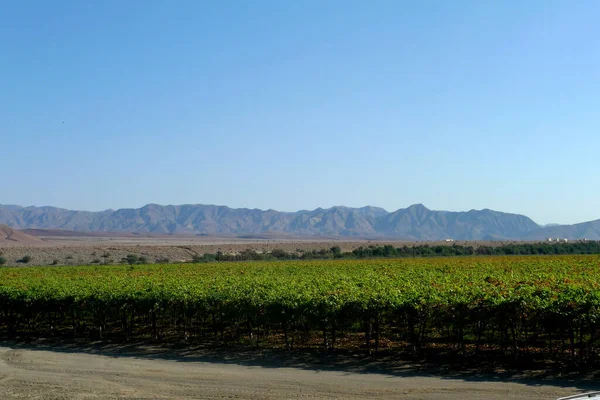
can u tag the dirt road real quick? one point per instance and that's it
(28, 373)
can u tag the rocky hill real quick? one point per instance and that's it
(416, 222)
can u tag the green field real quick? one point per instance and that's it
(520, 308)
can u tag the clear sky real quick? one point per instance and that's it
(302, 104)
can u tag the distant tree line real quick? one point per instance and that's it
(424, 250)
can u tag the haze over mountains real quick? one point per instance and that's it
(416, 222)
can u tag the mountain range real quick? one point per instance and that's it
(416, 222)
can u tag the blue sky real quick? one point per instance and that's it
(297, 105)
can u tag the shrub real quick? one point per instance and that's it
(279, 254)
(130, 259)
(2, 260)
(337, 252)
(206, 257)
(26, 259)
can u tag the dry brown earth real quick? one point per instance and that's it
(67, 249)
(45, 374)
(9, 236)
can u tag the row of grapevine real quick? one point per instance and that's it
(522, 308)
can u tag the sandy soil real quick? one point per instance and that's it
(69, 250)
(28, 372)
(177, 250)
(10, 236)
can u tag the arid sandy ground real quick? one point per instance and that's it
(112, 250)
(86, 250)
(30, 372)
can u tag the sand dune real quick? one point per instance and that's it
(9, 235)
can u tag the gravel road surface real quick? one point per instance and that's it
(30, 373)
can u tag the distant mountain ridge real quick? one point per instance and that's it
(585, 230)
(416, 222)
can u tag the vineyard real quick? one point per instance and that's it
(516, 308)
